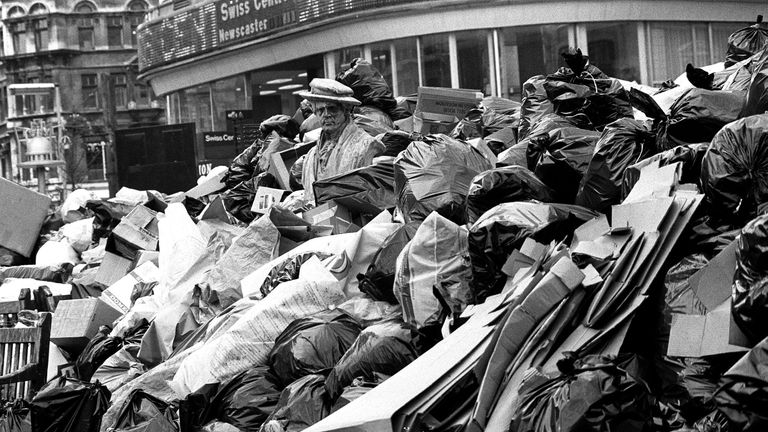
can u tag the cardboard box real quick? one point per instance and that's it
(113, 267)
(265, 198)
(143, 256)
(210, 185)
(334, 215)
(280, 163)
(137, 231)
(75, 322)
(438, 109)
(118, 295)
(22, 214)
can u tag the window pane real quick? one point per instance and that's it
(115, 36)
(472, 53)
(613, 49)
(673, 45)
(195, 107)
(436, 65)
(19, 43)
(89, 87)
(345, 56)
(407, 66)
(381, 58)
(228, 94)
(530, 51)
(85, 36)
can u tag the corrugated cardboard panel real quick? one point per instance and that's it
(22, 213)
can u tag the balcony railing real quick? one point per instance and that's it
(205, 27)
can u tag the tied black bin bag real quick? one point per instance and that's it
(507, 184)
(373, 185)
(302, 403)
(312, 345)
(602, 101)
(622, 144)
(379, 279)
(503, 229)
(99, 348)
(734, 172)
(757, 94)
(535, 105)
(370, 88)
(434, 175)
(744, 43)
(383, 349)
(69, 405)
(749, 305)
(743, 393)
(143, 412)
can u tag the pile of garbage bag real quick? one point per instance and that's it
(591, 258)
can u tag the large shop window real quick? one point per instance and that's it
(381, 59)
(345, 56)
(228, 94)
(529, 51)
(407, 62)
(195, 107)
(613, 49)
(435, 61)
(474, 63)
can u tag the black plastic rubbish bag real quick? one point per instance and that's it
(690, 384)
(69, 405)
(302, 403)
(287, 270)
(597, 394)
(243, 166)
(379, 279)
(503, 229)
(106, 216)
(239, 199)
(15, 417)
(373, 185)
(58, 273)
(383, 349)
(602, 101)
(371, 88)
(622, 144)
(143, 412)
(434, 175)
(743, 392)
(285, 126)
(312, 345)
(9, 258)
(734, 172)
(565, 154)
(535, 105)
(746, 42)
(99, 348)
(697, 115)
(506, 184)
(482, 121)
(690, 155)
(396, 141)
(757, 94)
(120, 368)
(749, 306)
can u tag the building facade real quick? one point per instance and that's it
(257, 54)
(88, 50)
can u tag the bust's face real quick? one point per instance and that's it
(331, 114)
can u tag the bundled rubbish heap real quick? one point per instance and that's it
(593, 259)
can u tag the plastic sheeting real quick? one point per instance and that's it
(379, 279)
(312, 345)
(734, 172)
(120, 368)
(506, 184)
(373, 185)
(743, 394)
(98, 349)
(697, 115)
(434, 175)
(535, 105)
(433, 272)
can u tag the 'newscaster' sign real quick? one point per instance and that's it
(239, 20)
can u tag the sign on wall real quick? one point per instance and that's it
(238, 20)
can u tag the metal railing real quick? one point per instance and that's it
(195, 30)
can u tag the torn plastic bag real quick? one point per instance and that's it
(312, 345)
(734, 172)
(379, 279)
(372, 120)
(369, 186)
(79, 234)
(535, 104)
(146, 413)
(368, 311)
(302, 403)
(369, 87)
(57, 273)
(256, 246)
(69, 405)
(244, 402)
(383, 348)
(560, 158)
(434, 175)
(482, 121)
(507, 184)
(106, 216)
(15, 417)
(743, 392)
(433, 272)
(248, 342)
(243, 166)
(689, 384)
(120, 368)
(287, 270)
(698, 115)
(98, 349)
(690, 155)
(602, 101)
(503, 229)
(622, 144)
(746, 42)
(749, 306)
(396, 141)
(239, 199)
(757, 94)
(595, 394)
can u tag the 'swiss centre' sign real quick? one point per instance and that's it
(247, 19)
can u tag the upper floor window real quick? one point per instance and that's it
(115, 31)
(38, 9)
(89, 86)
(41, 34)
(121, 90)
(19, 37)
(85, 7)
(85, 33)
